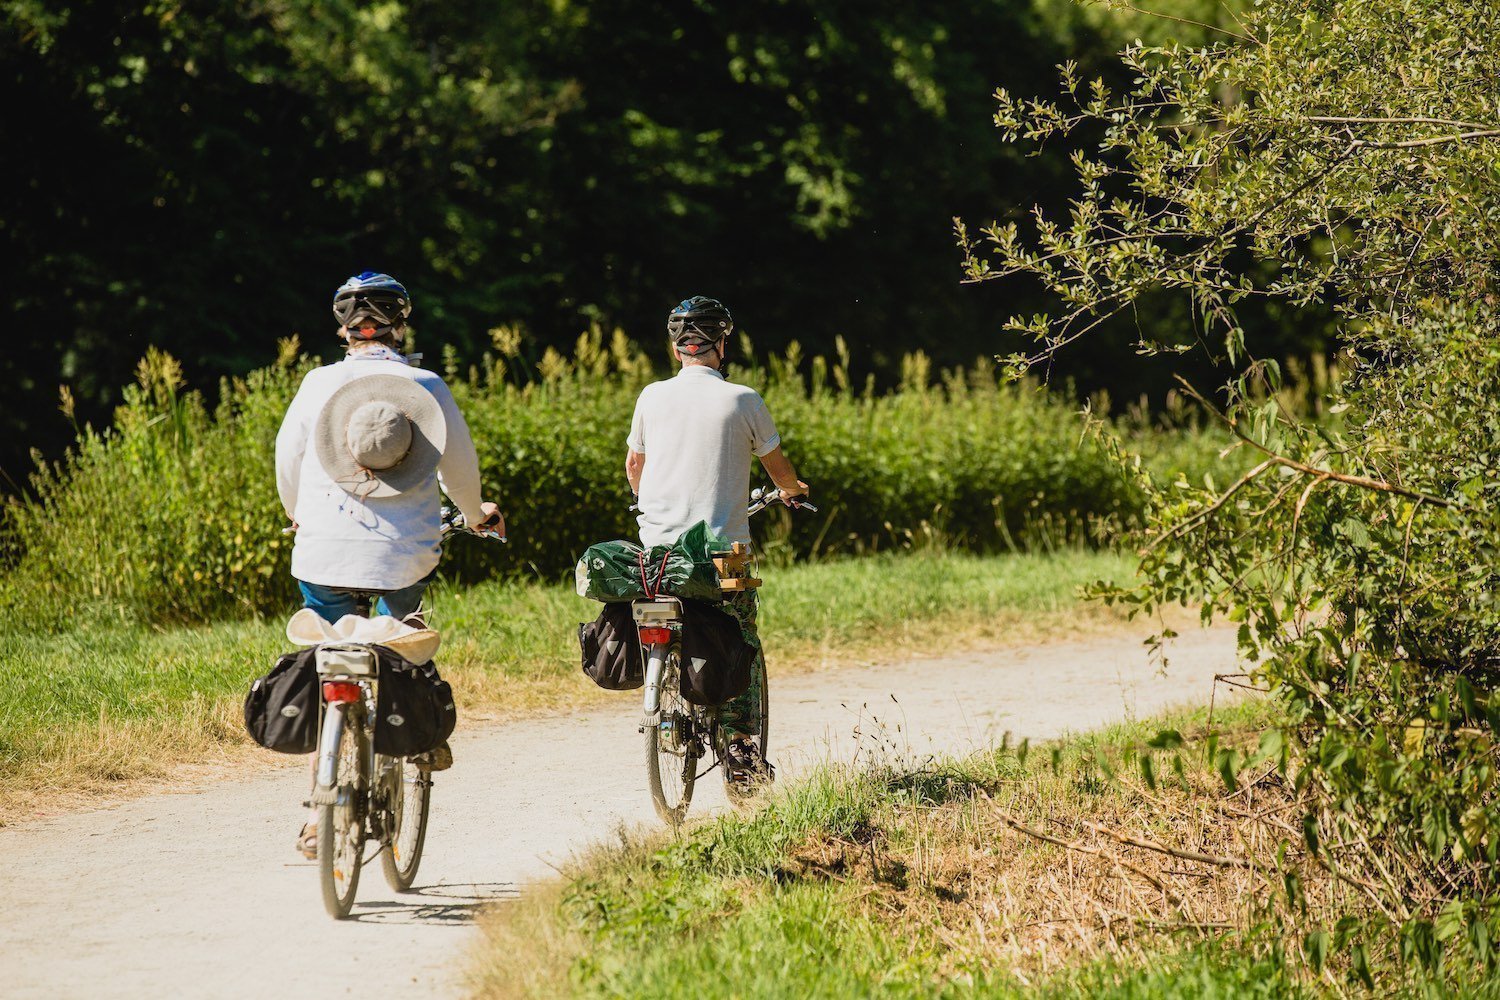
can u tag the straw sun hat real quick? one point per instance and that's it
(380, 435)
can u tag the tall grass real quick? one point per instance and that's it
(170, 514)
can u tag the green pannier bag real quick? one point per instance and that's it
(622, 571)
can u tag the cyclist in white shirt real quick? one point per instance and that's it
(360, 456)
(691, 442)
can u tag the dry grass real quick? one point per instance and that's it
(528, 951)
(122, 758)
(1036, 877)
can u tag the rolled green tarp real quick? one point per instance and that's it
(621, 570)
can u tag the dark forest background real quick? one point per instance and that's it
(201, 175)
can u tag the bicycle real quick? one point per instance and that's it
(678, 733)
(361, 795)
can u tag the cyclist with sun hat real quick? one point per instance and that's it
(363, 450)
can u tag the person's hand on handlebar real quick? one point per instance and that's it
(786, 493)
(494, 521)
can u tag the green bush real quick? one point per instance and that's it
(172, 515)
(1337, 172)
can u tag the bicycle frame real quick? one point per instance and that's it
(675, 745)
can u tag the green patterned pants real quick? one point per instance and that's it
(741, 717)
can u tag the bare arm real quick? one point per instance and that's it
(635, 463)
(779, 468)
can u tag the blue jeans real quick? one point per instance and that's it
(332, 603)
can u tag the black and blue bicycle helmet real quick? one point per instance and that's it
(371, 295)
(697, 323)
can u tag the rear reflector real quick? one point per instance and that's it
(655, 635)
(340, 691)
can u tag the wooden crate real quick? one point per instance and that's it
(734, 569)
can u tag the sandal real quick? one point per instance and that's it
(438, 759)
(747, 768)
(307, 841)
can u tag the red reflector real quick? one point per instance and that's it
(655, 635)
(340, 691)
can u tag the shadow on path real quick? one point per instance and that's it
(451, 905)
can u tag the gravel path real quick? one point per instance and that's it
(198, 893)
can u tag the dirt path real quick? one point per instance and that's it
(199, 893)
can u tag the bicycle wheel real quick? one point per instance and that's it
(737, 793)
(673, 745)
(341, 825)
(408, 795)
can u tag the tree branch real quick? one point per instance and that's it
(1435, 140)
(1183, 20)
(1208, 511)
(1332, 120)
(1020, 827)
(1150, 845)
(1364, 482)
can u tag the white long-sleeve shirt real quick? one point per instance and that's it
(377, 543)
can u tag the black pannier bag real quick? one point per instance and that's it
(716, 658)
(414, 710)
(611, 649)
(281, 710)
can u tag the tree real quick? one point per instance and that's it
(213, 170)
(1342, 156)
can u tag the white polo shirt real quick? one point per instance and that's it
(699, 433)
(378, 543)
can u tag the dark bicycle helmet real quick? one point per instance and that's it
(697, 323)
(372, 295)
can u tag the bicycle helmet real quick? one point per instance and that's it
(698, 323)
(372, 295)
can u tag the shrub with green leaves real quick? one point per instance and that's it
(1337, 156)
(172, 515)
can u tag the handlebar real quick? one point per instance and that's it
(764, 496)
(760, 498)
(453, 521)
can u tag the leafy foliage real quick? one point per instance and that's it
(1344, 156)
(214, 169)
(188, 503)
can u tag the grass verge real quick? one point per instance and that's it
(88, 710)
(1113, 864)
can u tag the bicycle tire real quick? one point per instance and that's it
(407, 818)
(671, 760)
(341, 826)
